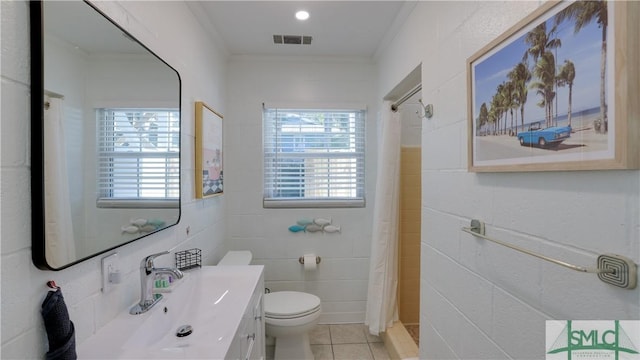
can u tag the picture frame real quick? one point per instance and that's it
(209, 174)
(537, 95)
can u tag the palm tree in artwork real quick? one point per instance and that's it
(520, 76)
(483, 117)
(495, 113)
(491, 118)
(504, 105)
(545, 71)
(565, 78)
(508, 101)
(497, 102)
(540, 43)
(584, 12)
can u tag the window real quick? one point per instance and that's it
(313, 158)
(138, 157)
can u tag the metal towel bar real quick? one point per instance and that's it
(540, 256)
(613, 269)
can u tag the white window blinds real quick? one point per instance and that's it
(313, 158)
(138, 157)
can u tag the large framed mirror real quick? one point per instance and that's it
(105, 143)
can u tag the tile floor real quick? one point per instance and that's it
(343, 342)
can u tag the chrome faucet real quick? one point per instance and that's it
(147, 274)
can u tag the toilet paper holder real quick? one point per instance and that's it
(301, 260)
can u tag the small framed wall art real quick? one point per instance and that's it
(209, 157)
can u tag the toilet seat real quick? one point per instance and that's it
(290, 305)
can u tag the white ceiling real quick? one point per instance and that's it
(338, 28)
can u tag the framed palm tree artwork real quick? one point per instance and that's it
(209, 171)
(558, 91)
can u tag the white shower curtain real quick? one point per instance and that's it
(60, 244)
(382, 308)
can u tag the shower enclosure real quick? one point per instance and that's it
(394, 277)
(409, 240)
(409, 217)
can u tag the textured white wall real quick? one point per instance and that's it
(411, 132)
(187, 47)
(341, 279)
(483, 301)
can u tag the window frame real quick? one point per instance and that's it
(270, 200)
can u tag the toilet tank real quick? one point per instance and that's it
(242, 257)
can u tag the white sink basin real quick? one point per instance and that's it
(211, 300)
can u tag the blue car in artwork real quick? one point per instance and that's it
(544, 137)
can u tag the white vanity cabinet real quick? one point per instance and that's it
(249, 341)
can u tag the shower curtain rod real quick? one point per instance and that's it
(394, 106)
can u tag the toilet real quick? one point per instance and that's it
(289, 315)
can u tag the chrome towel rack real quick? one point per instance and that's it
(613, 269)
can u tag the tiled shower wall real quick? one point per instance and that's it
(410, 202)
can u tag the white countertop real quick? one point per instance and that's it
(212, 300)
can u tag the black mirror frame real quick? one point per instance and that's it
(36, 38)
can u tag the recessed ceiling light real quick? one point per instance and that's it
(302, 15)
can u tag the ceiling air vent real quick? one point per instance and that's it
(292, 39)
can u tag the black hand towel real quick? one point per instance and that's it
(60, 330)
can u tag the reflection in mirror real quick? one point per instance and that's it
(106, 143)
